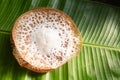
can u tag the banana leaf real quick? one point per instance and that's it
(99, 25)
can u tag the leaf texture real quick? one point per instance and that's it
(99, 25)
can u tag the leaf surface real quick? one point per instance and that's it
(99, 25)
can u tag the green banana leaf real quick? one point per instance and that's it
(99, 25)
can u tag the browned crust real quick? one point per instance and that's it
(25, 64)
(21, 61)
(74, 55)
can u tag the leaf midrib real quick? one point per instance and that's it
(83, 43)
(101, 46)
(5, 32)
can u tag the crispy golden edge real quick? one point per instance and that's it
(25, 64)
(22, 62)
